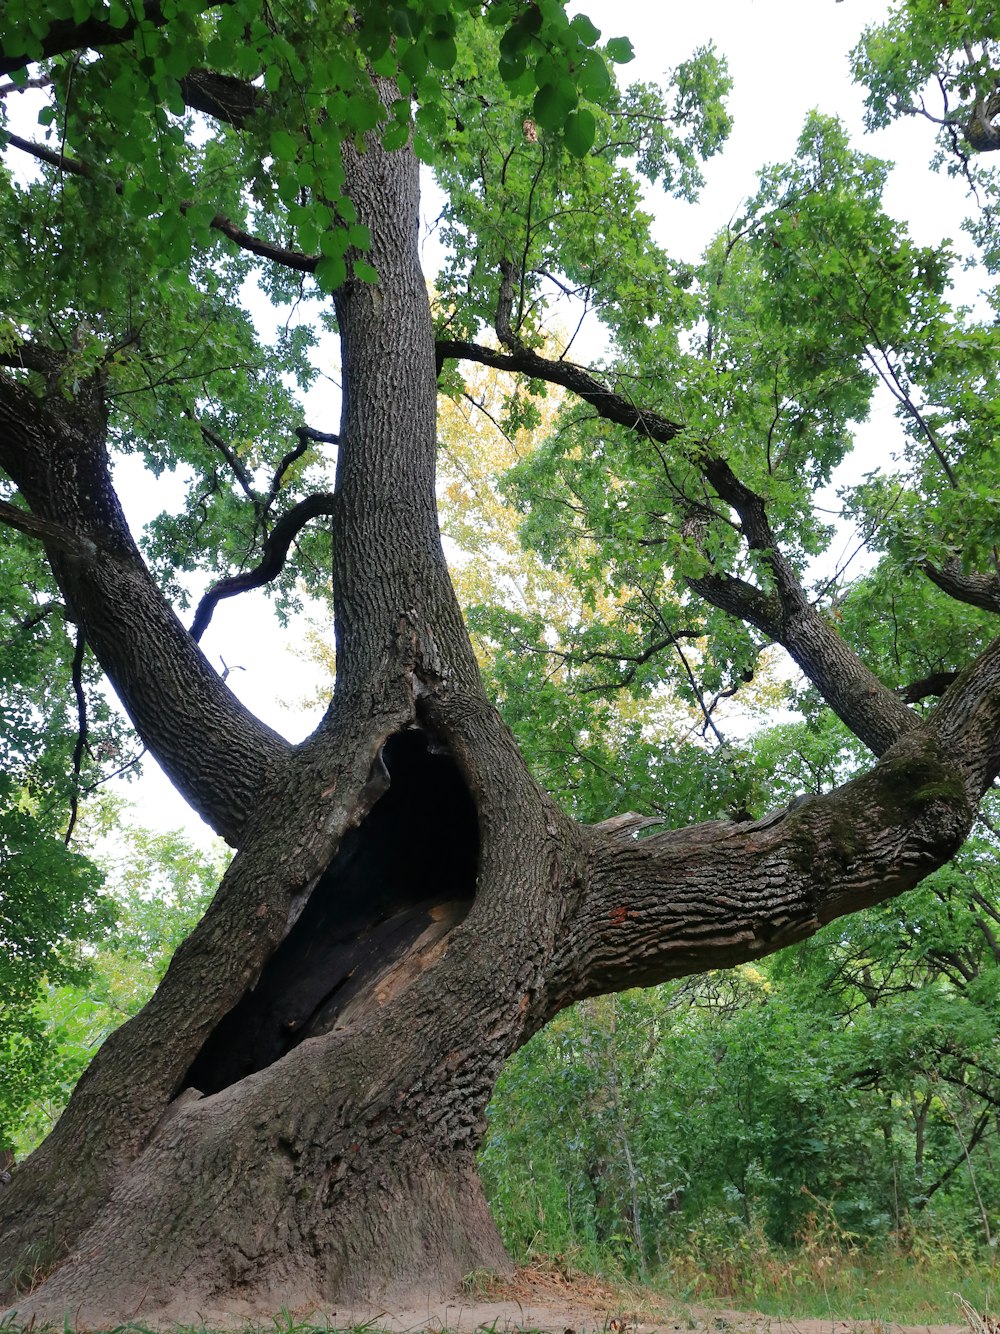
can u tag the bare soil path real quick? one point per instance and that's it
(544, 1299)
(539, 1298)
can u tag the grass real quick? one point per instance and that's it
(884, 1288)
(887, 1286)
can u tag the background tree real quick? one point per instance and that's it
(157, 885)
(404, 894)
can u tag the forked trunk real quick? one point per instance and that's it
(320, 1146)
(293, 1118)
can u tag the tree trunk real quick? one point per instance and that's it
(293, 1118)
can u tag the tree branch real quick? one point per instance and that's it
(43, 81)
(968, 721)
(55, 534)
(213, 749)
(255, 245)
(721, 893)
(40, 614)
(222, 96)
(32, 357)
(935, 684)
(610, 405)
(305, 434)
(873, 712)
(232, 458)
(978, 1130)
(978, 590)
(66, 35)
(271, 564)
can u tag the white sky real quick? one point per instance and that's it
(786, 57)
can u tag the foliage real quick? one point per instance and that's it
(942, 64)
(158, 885)
(552, 652)
(50, 903)
(134, 108)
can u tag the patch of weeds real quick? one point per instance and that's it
(483, 1284)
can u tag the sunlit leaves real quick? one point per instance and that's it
(157, 886)
(50, 902)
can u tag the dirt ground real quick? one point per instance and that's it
(548, 1300)
(539, 1298)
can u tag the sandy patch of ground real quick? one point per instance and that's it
(549, 1300)
(536, 1299)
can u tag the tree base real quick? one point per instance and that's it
(396, 1249)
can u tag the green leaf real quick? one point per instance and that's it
(395, 137)
(284, 146)
(553, 103)
(585, 30)
(512, 66)
(331, 272)
(593, 78)
(579, 132)
(442, 50)
(619, 50)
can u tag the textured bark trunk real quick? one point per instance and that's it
(344, 1169)
(294, 1116)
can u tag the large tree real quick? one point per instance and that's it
(293, 1118)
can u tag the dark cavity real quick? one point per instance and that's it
(410, 863)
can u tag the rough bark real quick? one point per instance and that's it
(979, 590)
(214, 750)
(293, 1118)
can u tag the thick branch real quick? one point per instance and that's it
(968, 721)
(981, 129)
(935, 684)
(55, 534)
(222, 96)
(32, 357)
(978, 590)
(610, 405)
(272, 562)
(214, 750)
(738, 598)
(873, 712)
(718, 894)
(66, 36)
